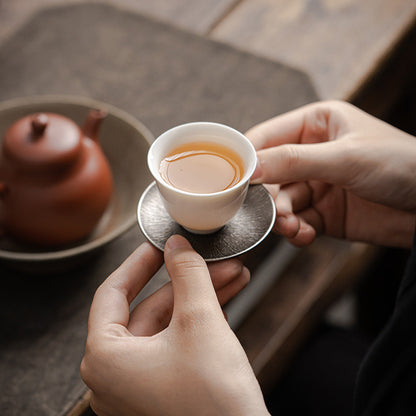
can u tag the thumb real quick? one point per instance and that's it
(299, 162)
(193, 290)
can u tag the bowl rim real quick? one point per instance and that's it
(153, 161)
(101, 241)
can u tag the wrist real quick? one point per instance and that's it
(243, 397)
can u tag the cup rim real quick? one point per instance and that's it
(159, 180)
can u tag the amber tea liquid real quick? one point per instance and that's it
(202, 167)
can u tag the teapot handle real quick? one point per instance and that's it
(92, 124)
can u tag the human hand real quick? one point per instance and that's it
(336, 170)
(174, 354)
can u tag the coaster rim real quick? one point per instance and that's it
(184, 233)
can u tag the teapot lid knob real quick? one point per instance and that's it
(42, 141)
(39, 124)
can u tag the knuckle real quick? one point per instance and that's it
(193, 317)
(84, 370)
(95, 358)
(235, 267)
(101, 289)
(336, 107)
(87, 372)
(245, 277)
(316, 123)
(290, 156)
(184, 263)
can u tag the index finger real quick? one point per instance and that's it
(112, 299)
(309, 121)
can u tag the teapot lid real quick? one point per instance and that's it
(42, 140)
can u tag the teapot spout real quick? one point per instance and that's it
(92, 124)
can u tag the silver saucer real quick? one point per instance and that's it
(244, 231)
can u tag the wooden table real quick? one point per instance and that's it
(360, 51)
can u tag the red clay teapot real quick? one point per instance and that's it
(55, 182)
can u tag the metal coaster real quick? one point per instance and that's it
(244, 231)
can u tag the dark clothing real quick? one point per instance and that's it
(323, 377)
(386, 382)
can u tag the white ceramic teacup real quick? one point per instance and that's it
(202, 213)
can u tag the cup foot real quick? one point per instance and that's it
(202, 232)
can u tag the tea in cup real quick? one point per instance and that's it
(202, 171)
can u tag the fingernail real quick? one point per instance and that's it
(257, 174)
(175, 242)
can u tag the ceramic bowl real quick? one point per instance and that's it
(125, 142)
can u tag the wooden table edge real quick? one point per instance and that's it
(352, 94)
(81, 406)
